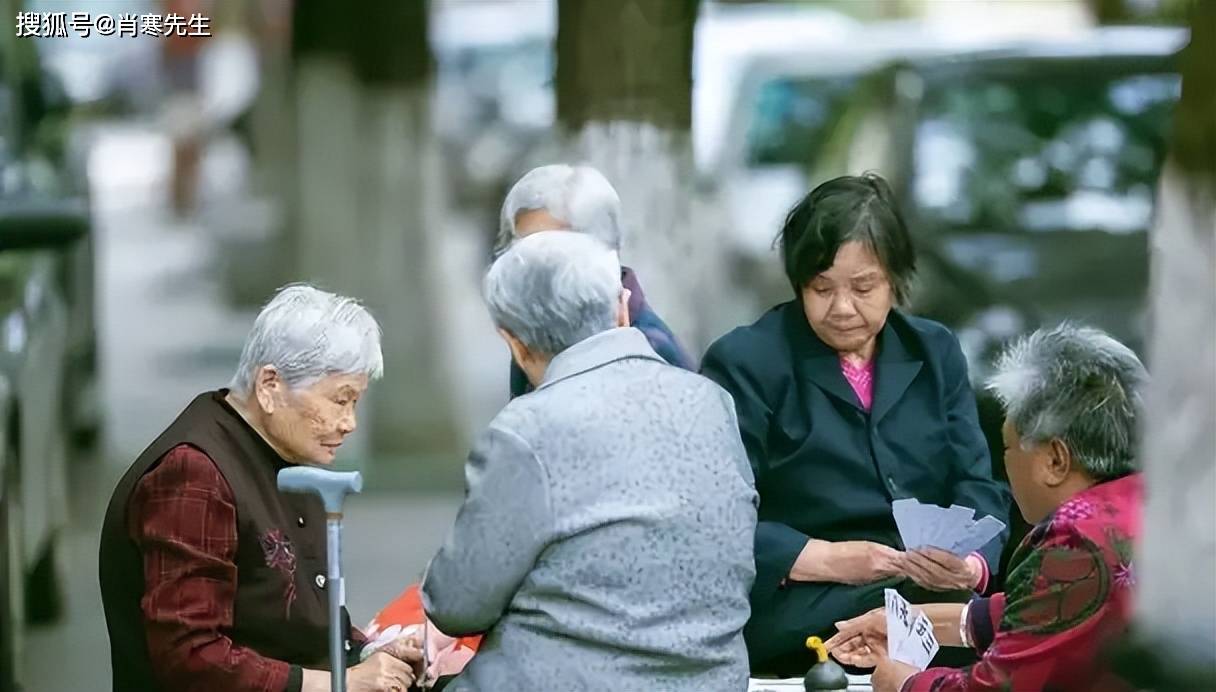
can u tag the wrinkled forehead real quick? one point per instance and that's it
(337, 383)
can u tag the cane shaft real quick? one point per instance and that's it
(337, 599)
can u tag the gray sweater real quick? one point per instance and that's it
(606, 538)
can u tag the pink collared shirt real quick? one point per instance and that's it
(861, 379)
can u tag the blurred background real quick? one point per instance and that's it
(155, 190)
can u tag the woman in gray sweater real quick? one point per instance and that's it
(606, 538)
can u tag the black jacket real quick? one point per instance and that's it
(824, 467)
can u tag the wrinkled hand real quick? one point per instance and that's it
(861, 641)
(445, 655)
(863, 562)
(381, 672)
(938, 570)
(408, 649)
(890, 676)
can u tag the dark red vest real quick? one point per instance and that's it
(280, 607)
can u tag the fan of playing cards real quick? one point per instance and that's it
(953, 529)
(909, 633)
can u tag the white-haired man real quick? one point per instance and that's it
(211, 579)
(605, 541)
(561, 197)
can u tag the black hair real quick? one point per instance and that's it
(849, 208)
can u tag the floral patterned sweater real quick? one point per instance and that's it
(1068, 595)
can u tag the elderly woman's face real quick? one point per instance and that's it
(847, 305)
(1023, 468)
(308, 424)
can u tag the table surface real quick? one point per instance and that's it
(857, 683)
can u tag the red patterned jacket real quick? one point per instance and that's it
(1068, 595)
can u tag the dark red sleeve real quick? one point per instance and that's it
(183, 517)
(1046, 621)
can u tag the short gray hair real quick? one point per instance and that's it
(1077, 384)
(553, 289)
(307, 334)
(580, 196)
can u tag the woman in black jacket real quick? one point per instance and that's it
(846, 404)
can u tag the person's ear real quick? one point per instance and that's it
(622, 313)
(267, 387)
(519, 353)
(1057, 462)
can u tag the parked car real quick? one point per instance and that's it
(1027, 176)
(48, 162)
(494, 101)
(34, 437)
(730, 41)
(45, 336)
(784, 102)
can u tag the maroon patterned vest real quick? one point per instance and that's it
(280, 606)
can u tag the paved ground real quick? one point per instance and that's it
(165, 337)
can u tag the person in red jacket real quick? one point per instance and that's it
(1073, 398)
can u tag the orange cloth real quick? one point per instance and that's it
(404, 616)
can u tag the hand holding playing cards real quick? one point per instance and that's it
(938, 570)
(861, 641)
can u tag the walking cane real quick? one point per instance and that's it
(332, 487)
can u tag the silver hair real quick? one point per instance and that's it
(1077, 384)
(553, 289)
(579, 196)
(307, 334)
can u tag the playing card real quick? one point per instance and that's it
(932, 524)
(903, 511)
(899, 620)
(956, 521)
(959, 520)
(961, 514)
(978, 535)
(937, 528)
(920, 645)
(909, 632)
(894, 627)
(949, 528)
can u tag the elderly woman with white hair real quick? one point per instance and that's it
(561, 197)
(605, 541)
(1073, 403)
(210, 578)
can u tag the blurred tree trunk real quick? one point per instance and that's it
(1177, 599)
(1110, 11)
(1115, 12)
(367, 168)
(254, 270)
(625, 60)
(624, 102)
